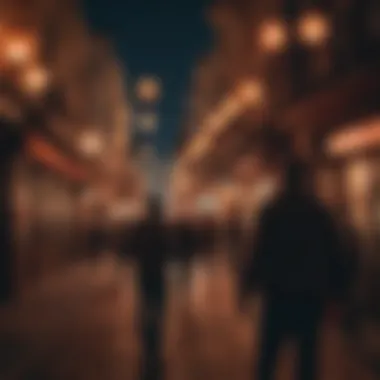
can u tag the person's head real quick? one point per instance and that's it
(297, 177)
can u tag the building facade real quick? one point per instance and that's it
(63, 93)
(299, 77)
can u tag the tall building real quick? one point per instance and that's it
(63, 93)
(273, 55)
(305, 73)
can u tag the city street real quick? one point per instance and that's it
(223, 344)
(76, 325)
(228, 143)
(83, 323)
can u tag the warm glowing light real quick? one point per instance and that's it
(148, 89)
(125, 211)
(207, 204)
(36, 80)
(314, 29)
(147, 122)
(200, 145)
(18, 51)
(91, 144)
(273, 36)
(251, 92)
(354, 138)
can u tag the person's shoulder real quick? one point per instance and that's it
(316, 206)
(271, 209)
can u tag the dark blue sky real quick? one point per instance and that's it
(164, 38)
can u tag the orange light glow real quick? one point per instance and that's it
(148, 89)
(355, 138)
(18, 50)
(251, 92)
(273, 36)
(91, 144)
(39, 149)
(314, 29)
(36, 80)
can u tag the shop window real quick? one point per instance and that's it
(358, 183)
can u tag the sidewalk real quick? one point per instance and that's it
(204, 345)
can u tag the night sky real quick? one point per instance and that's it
(163, 38)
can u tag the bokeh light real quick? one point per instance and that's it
(36, 80)
(148, 89)
(273, 36)
(91, 144)
(251, 92)
(314, 29)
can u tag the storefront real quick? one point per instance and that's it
(354, 155)
(44, 202)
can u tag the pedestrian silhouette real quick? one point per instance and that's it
(149, 246)
(296, 265)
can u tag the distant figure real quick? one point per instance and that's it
(149, 246)
(182, 241)
(297, 267)
(98, 242)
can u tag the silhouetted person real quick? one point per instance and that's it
(183, 238)
(149, 247)
(296, 265)
(207, 241)
(11, 147)
(98, 242)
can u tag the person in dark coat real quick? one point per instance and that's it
(149, 246)
(11, 148)
(297, 266)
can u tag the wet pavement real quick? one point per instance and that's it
(84, 324)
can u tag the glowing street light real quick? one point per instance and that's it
(91, 144)
(148, 89)
(36, 80)
(273, 36)
(147, 122)
(314, 29)
(19, 51)
(251, 92)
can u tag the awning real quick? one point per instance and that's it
(47, 154)
(363, 135)
(346, 99)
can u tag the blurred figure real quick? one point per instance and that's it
(182, 235)
(98, 242)
(298, 268)
(11, 145)
(149, 245)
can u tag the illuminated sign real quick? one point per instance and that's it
(364, 135)
(45, 153)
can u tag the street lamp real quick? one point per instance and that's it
(147, 122)
(91, 144)
(251, 92)
(273, 36)
(148, 89)
(36, 80)
(18, 51)
(313, 29)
